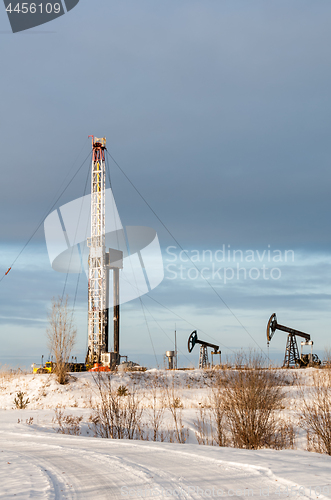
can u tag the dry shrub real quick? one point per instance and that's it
(175, 405)
(117, 414)
(20, 402)
(314, 443)
(203, 424)
(315, 412)
(233, 414)
(28, 421)
(211, 422)
(284, 435)
(61, 335)
(251, 397)
(122, 390)
(66, 424)
(218, 414)
(157, 402)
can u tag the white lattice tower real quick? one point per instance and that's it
(97, 266)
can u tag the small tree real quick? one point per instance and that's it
(61, 335)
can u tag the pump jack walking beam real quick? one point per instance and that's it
(273, 326)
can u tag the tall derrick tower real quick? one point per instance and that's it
(97, 287)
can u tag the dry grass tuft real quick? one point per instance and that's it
(66, 424)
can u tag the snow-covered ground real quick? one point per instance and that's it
(37, 462)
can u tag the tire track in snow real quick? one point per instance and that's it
(98, 469)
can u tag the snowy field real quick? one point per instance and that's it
(39, 462)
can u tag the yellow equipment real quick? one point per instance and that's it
(48, 367)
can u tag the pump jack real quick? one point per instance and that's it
(292, 357)
(203, 357)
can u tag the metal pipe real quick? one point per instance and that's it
(116, 312)
(106, 311)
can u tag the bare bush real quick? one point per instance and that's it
(175, 406)
(117, 413)
(250, 399)
(66, 424)
(218, 414)
(284, 435)
(61, 335)
(202, 424)
(157, 390)
(315, 412)
(210, 422)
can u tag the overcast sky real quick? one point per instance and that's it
(219, 112)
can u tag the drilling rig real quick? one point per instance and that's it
(100, 263)
(292, 357)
